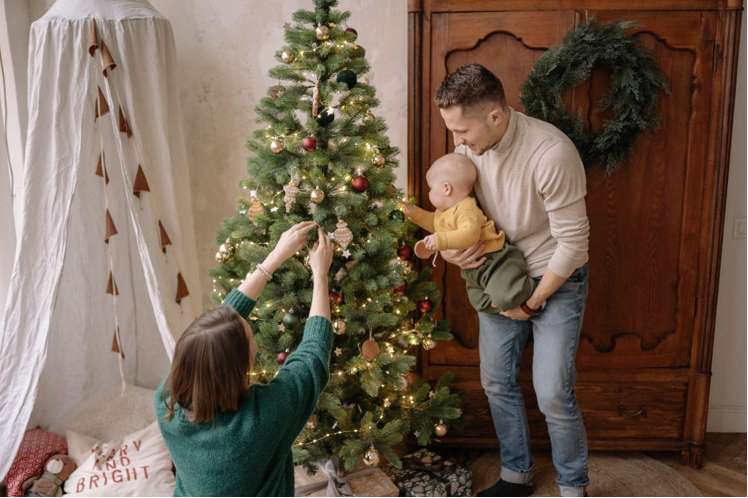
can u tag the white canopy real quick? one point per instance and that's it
(58, 329)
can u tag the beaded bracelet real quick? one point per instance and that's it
(267, 274)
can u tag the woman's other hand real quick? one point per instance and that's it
(320, 257)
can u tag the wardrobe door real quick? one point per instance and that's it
(646, 219)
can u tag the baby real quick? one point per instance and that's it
(501, 283)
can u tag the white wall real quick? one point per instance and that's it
(727, 400)
(225, 50)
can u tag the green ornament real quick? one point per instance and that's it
(397, 215)
(325, 116)
(291, 321)
(348, 77)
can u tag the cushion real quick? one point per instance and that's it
(36, 447)
(109, 416)
(135, 465)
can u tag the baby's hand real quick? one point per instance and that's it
(407, 209)
(430, 242)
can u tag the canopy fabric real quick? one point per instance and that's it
(57, 332)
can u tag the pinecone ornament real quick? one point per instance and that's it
(255, 208)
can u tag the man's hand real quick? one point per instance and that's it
(466, 259)
(407, 208)
(515, 314)
(430, 242)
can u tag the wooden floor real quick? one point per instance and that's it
(724, 472)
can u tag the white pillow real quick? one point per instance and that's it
(109, 415)
(137, 465)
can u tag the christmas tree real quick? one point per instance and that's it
(322, 155)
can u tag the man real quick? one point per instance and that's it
(532, 184)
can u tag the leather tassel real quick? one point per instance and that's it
(103, 107)
(140, 184)
(124, 126)
(115, 345)
(164, 237)
(182, 291)
(110, 228)
(111, 286)
(93, 40)
(106, 57)
(100, 170)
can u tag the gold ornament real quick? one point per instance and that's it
(428, 343)
(317, 195)
(343, 234)
(277, 146)
(292, 190)
(338, 326)
(331, 24)
(255, 208)
(287, 57)
(219, 258)
(371, 457)
(440, 429)
(368, 117)
(354, 46)
(378, 159)
(322, 32)
(223, 250)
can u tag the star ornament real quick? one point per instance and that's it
(338, 351)
(281, 327)
(346, 254)
(287, 26)
(331, 235)
(274, 209)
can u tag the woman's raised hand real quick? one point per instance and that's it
(320, 257)
(292, 240)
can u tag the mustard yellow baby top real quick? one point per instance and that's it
(460, 227)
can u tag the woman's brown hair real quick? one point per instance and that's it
(210, 366)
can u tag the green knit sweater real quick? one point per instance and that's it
(248, 452)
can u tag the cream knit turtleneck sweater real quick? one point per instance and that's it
(532, 184)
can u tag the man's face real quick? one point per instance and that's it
(479, 133)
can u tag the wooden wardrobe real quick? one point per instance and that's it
(645, 354)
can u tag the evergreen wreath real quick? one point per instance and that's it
(636, 81)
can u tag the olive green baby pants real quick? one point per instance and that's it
(501, 280)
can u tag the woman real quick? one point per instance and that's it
(227, 437)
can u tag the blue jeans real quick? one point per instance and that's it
(556, 339)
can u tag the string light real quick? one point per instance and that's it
(326, 436)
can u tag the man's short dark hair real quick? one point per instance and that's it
(472, 87)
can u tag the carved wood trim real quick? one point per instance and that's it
(536, 5)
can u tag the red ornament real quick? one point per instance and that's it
(309, 144)
(282, 357)
(351, 30)
(401, 290)
(336, 298)
(405, 252)
(426, 305)
(360, 183)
